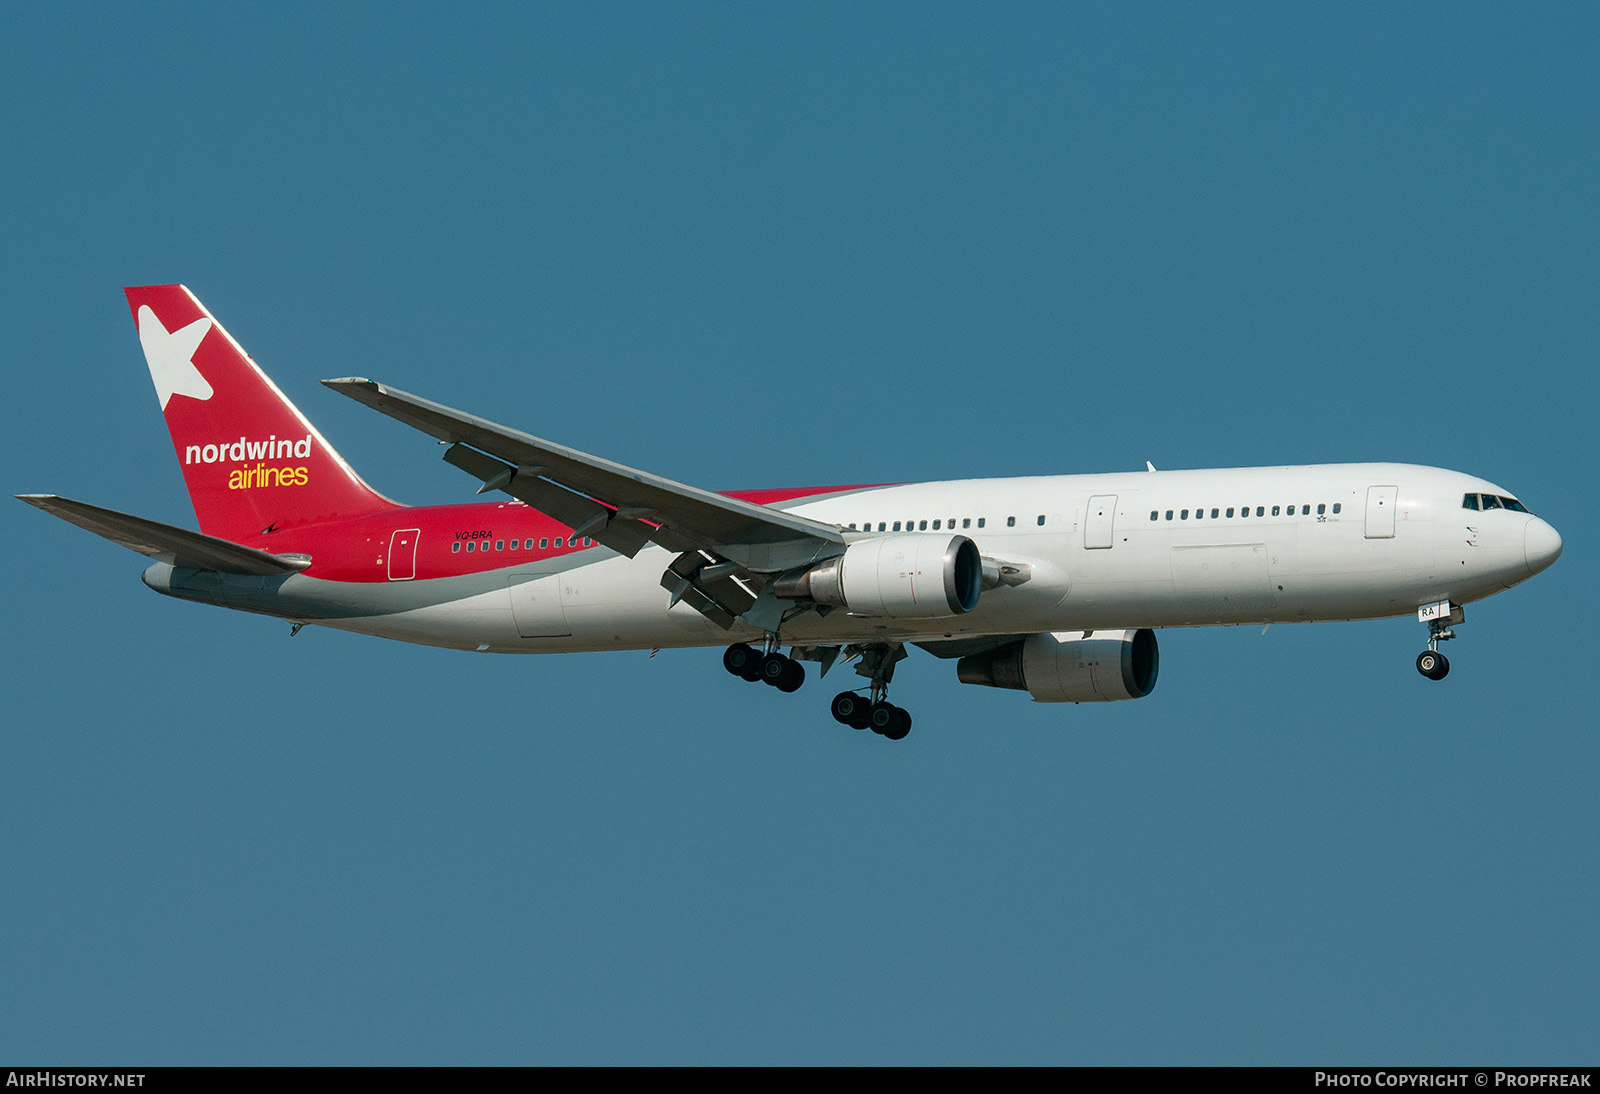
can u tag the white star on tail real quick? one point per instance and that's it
(170, 356)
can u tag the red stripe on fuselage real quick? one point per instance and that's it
(357, 549)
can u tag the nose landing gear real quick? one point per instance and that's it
(1430, 662)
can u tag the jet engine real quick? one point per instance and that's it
(1070, 667)
(917, 576)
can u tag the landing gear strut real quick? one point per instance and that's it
(1430, 662)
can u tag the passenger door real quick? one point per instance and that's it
(1380, 511)
(1099, 525)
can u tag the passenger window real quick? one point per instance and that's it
(923, 527)
(951, 523)
(1184, 515)
(881, 527)
(1169, 514)
(1261, 511)
(499, 545)
(455, 548)
(1321, 510)
(1335, 507)
(1305, 510)
(470, 546)
(1199, 514)
(1011, 522)
(935, 526)
(544, 543)
(1154, 513)
(1214, 513)
(1490, 501)
(1041, 520)
(896, 526)
(558, 541)
(1230, 512)
(1275, 510)
(980, 521)
(966, 522)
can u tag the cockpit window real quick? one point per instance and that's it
(1514, 505)
(1469, 502)
(1490, 501)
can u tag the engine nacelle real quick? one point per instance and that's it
(916, 576)
(1095, 667)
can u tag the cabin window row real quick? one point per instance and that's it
(1218, 513)
(938, 525)
(520, 544)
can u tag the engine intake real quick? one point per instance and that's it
(900, 577)
(1057, 668)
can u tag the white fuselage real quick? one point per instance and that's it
(1142, 549)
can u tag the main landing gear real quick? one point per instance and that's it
(1430, 662)
(850, 708)
(858, 712)
(772, 667)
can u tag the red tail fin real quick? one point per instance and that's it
(250, 458)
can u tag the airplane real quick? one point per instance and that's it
(1051, 584)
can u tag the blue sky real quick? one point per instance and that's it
(765, 245)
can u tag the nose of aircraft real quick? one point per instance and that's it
(1542, 545)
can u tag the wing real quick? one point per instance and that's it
(726, 546)
(166, 542)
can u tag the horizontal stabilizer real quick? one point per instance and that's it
(166, 542)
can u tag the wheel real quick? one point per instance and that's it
(775, 669)
(740, 659)
(848, 708)
(900, 726)
(794, 676)
(1432, 664)
(881, 717)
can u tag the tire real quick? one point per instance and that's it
(739, 658)
(900, 726)
(847, 708)
(1433, 664)
(881, 717)
(793, 676)
(774, 669)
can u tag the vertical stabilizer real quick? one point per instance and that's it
(251, 460)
